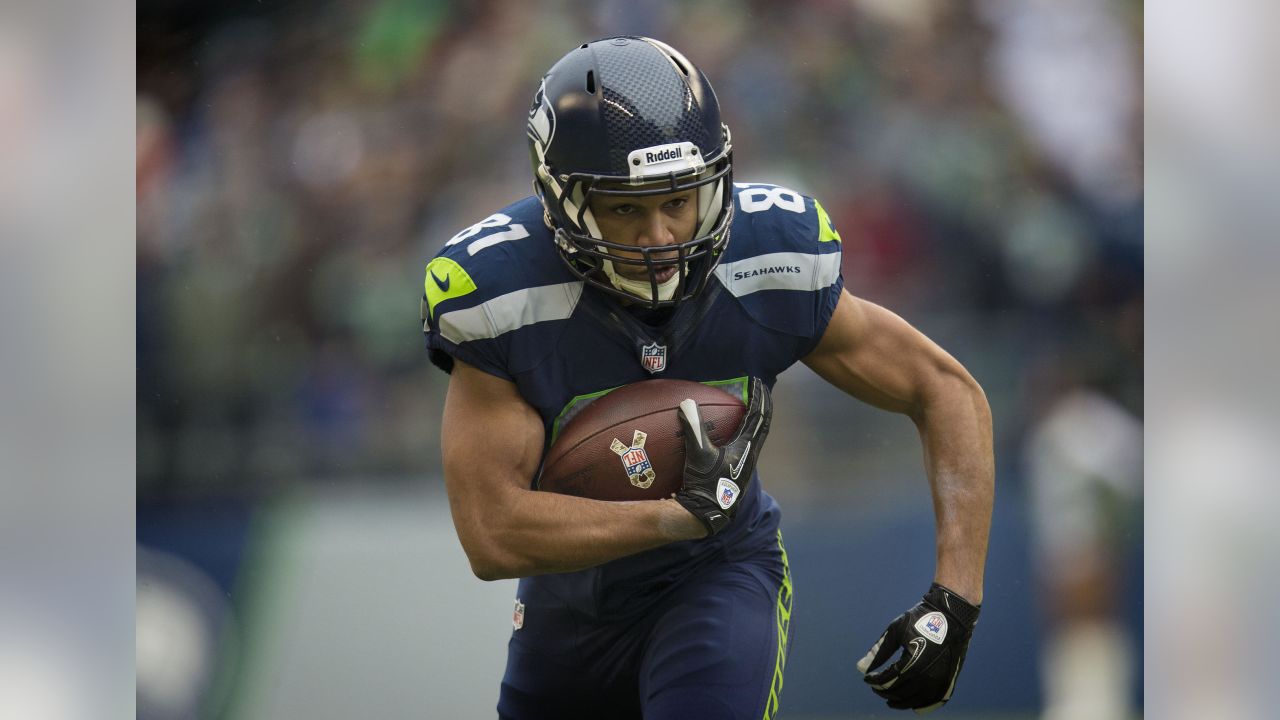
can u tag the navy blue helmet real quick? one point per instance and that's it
(631, 116)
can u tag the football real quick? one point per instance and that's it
(628, 444)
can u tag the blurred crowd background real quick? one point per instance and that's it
(299, 162)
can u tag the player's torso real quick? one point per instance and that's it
(504, 294)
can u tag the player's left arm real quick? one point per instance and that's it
(877, 357)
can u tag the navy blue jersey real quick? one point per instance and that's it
(499, 297)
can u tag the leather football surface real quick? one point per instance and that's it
(628, 444)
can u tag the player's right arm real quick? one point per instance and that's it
(492, 443)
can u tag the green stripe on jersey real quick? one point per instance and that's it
(826, 230)
(783, 629)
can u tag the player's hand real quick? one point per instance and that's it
(934, 636)
(715, 478)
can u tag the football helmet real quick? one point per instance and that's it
(630, 116)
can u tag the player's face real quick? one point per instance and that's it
(648, 221)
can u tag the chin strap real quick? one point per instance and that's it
(641, 288)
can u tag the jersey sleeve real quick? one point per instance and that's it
(497, 294)
(830, 247)
(455, 319)
(784, 262)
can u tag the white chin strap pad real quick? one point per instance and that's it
(641, 288)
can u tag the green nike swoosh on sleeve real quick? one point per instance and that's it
(456, 283)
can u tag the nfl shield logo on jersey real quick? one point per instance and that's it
(653, 357)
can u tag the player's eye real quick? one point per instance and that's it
(624, 209)
(677, 203)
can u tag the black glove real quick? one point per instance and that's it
(716, 477)
(934, 636)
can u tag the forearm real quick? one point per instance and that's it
(955, 429)
(539, 532)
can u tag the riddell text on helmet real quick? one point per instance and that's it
(663, 155)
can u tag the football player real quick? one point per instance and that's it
(638, 257)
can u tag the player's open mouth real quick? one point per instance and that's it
(664, 274)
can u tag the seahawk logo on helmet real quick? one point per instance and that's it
(631, 116)
(542, 119)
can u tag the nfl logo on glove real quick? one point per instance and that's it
(727, 492)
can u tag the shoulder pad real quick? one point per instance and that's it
(781, 240)
(491, 279)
